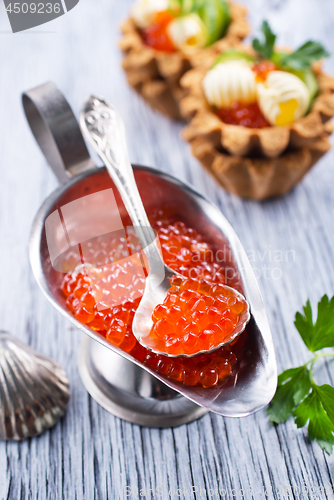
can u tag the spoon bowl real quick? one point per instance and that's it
(142, 323)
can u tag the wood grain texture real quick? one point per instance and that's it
(91, 454)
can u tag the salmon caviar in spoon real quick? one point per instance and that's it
(186, 251)
(196, 316)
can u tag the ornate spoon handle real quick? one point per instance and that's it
(103, 127)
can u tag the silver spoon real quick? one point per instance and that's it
(103, 127)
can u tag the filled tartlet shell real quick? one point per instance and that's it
(269, 142)
(156, 75)
(260, 178)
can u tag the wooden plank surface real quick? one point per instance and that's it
(91, 454)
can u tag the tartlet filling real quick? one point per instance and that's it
(269, 89)
(171, 25)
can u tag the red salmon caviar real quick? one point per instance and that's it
(202, 316)
(156, 36)
(246, 115)
(114, 308)
(262, 69)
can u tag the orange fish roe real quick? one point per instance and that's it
(246, 115)
(156, 36)
(108, 308)
(262, 69)
(195, 316)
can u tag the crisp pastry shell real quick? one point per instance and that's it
(260, 178)
(237, 140)
(156, 75)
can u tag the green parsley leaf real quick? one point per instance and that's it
(313, 409)
(293, 386)
(266, 47)
(303, 57)
(321, 334)
(297, 391)
(327, 398)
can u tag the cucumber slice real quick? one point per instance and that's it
(233, 55)
(215, 15)
(212, 18)
(310, 80)
(181, 7)
(187, 6)
(226, 14)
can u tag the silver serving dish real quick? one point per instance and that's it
(34, 390)
(117, 381)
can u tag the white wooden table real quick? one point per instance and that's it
(90, 454)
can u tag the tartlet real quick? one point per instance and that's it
(259, 116)
(156, 74)
(260, 178)
(237, 140)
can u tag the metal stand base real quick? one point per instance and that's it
(129, 392)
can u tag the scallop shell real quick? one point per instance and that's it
(34, 390)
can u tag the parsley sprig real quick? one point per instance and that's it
(266, 47)
(300, 59)
(303, 57)
(297, 393)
